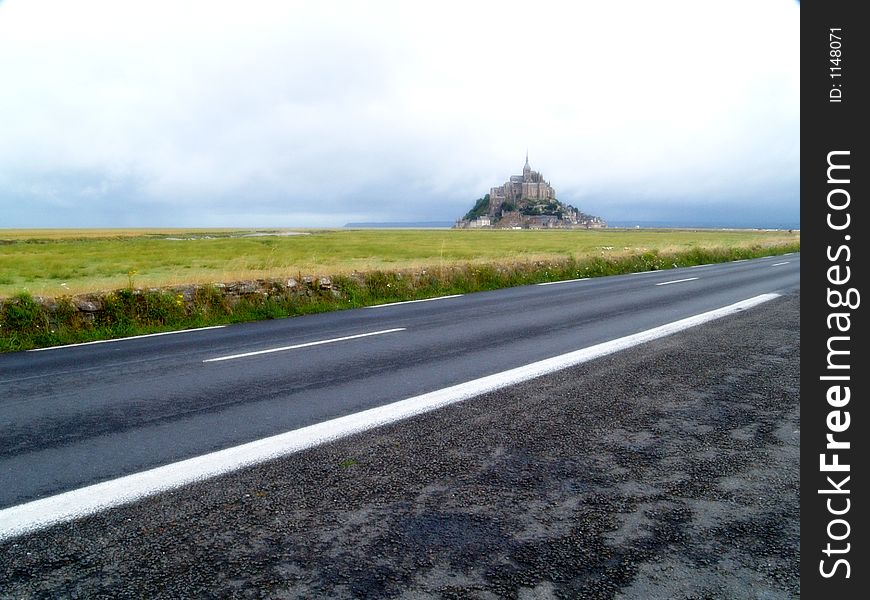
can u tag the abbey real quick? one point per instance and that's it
(528, 186)
(526, 201)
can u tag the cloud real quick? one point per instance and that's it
(307, 113)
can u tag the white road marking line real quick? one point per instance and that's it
(740, 260)
(644, 272)
(788, 253)
(413, 301)
(563, 281)
(305, 345)
(780, 264)
(677, 281)
(696, 266)
(134, 337)
(38, 514)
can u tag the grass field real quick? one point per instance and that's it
(64, 262)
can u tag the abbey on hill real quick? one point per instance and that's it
(525, 201)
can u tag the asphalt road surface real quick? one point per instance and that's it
(75, 416)
(668, 470)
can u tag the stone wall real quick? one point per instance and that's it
(88, 308)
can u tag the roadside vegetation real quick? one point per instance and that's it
(147, 282)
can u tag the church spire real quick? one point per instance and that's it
(527, 160)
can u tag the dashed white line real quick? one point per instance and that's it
(780, 264)
(413, 301)
(124, 339)
(38, 514)
(563, 281)
(677, 281)
(305, 345)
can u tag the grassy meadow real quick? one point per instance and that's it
(68, 262)
(139, 281)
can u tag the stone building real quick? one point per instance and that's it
(481, 221)
(525, 201)
(528, 186)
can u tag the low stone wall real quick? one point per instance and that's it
(88, 308)
(27, 322)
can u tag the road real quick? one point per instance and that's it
(666, 470)
(75, 416)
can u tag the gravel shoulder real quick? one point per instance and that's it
(666, 471)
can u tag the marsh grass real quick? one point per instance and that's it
(27, 323)
(58, 262)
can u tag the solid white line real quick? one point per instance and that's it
(305, 345)
(644, 272)
(788, 253)
(740, 260)
(696, 266)
(780, 264)
(39, 514)
(413, 301)
(677, 281)
(134, 337)
(563, 281)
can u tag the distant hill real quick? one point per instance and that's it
(526, 213)
(525, 201)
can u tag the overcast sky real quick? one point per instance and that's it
(277, 113)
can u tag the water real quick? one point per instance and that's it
(405, 225)
(702, 225)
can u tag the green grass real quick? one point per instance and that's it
(57, 262)
(367, 267)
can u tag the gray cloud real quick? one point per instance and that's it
(306, 114)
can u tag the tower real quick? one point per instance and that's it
(527, 170)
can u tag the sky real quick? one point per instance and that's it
(193, 113)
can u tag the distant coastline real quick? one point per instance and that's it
(401, 225)
(622, 224)
(610, 224)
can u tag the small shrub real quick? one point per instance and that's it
(22, 313)
(117, 309)
(210, 301)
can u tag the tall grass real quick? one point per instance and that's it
(51, 264)
(27, 323)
